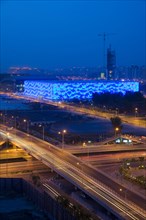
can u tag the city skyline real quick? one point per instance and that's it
(73, 109)
(55, 34)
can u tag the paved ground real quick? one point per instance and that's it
(113, 172)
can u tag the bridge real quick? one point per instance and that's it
(83, 176)
(90, 149)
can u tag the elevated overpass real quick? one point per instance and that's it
(105, 149)
(91, 181)
(109, 146)
(2, 141)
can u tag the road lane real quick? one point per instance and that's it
(87, 178)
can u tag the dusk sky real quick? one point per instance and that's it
(55, 34)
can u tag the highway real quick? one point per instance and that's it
(137, 121)
(9, 169)
(112, 158)
(93, 112)
(106, 148)
(91, 181)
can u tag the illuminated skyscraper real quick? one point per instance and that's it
(111, 63)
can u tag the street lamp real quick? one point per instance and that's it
(125, 192)
(63, 132)
(3, 118)
(117, 111)
(43, 130)
(104, 108)
(27, 125)
(7, 151)
(14, 121)
(84, 145)
(116, 130)
(80, 165)
(136, 112)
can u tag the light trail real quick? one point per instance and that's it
(81, 179)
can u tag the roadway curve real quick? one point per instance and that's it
(91, 181)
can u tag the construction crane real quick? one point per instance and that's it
(104, 35)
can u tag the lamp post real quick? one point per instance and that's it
(124, 192)
(63, 132)
(117, 111)
(7, 151)
(27, 125)
(80, 164)
(14, 121)
(3, 118)
(136, 112)
(84, 145)
(116, 130)
(43, 130)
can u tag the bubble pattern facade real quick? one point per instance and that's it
(67, 90)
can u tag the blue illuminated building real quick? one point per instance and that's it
(67, 90)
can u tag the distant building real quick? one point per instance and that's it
(77, 89)
(111, 63)
(25, 70)
(132, 72)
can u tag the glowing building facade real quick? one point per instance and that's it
(67, 90)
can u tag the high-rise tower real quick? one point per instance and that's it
(111, 63)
